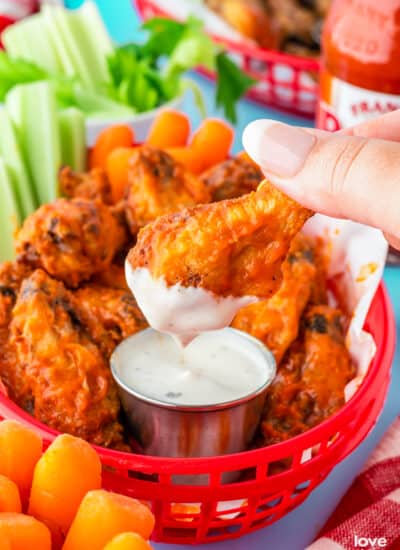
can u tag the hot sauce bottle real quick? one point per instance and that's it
(361, 62)
(360, 76)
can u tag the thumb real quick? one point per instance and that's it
(338, 175)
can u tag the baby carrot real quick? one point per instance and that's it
(186, 156)
(117, 168)
(108, 140)
(10, 500)
(66, 471)
(20, 449)
(212, 142)
(128, 541)
(24, 532)
(103, 515)
(169, 129)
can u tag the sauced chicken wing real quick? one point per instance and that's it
(309, 386)
(110, 315)
(86, 185)
(232, 178)
(159, 185)
(113, 277)
(11, 277)
(67, 382)
(70, 239)
(233, 247)
(276, 321)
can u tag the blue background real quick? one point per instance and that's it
(297, 529)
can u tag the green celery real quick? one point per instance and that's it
(11, 152)
(9, 214)
(73, 139)
(29, 39)
(67, 45)
(35, 111)
(95, 44)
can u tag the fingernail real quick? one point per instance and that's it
(278, 148)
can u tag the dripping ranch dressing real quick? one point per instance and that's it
(216, 367)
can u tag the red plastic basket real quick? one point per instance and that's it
(288, 82)
(264, 493)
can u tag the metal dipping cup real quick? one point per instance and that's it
(169, 430)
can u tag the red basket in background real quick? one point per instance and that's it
(288, 82)
(266, 490)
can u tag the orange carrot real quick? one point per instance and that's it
(5, 543)
(66, 471)
(188, 157)
(128, 541)
(117, 168)
(109, 139)
(245, 156)
(103, 515)
(169, 129)
(212, 142)
(20, 449)
(24, 532)
(10, 501)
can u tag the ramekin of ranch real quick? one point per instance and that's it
(202, 399)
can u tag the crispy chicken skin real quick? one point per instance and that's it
(276, 321)
(67, 382)
(159, 185)
(70, 239)
(110, 315)
(231, 179)
(87, 185)
(11, 276)
(309, 386)
(234, 247)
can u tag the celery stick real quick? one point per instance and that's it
(67, 45)
(94, 41)
(37, 123)
(9, 214)
(11, 152)
(30, 40)
(73, 138)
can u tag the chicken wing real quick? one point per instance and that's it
(231, 248)
(231, 179)
(309, 386)
(70, 239)
(159, 185)
(276, 321)
(11, 276)
(67, 382)
(110, 315)
(91, 185)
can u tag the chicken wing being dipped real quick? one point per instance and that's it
(232, 178)
(159, 185)
(92, 185)
(110, 315)
(66, 381)
(309, 386)
(193, 270)
(70, 239)
(276, 321)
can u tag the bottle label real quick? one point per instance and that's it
(343, 105)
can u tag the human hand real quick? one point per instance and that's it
(354, 173)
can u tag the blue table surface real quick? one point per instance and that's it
(297, 529)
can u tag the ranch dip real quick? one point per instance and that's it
(217, 367)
